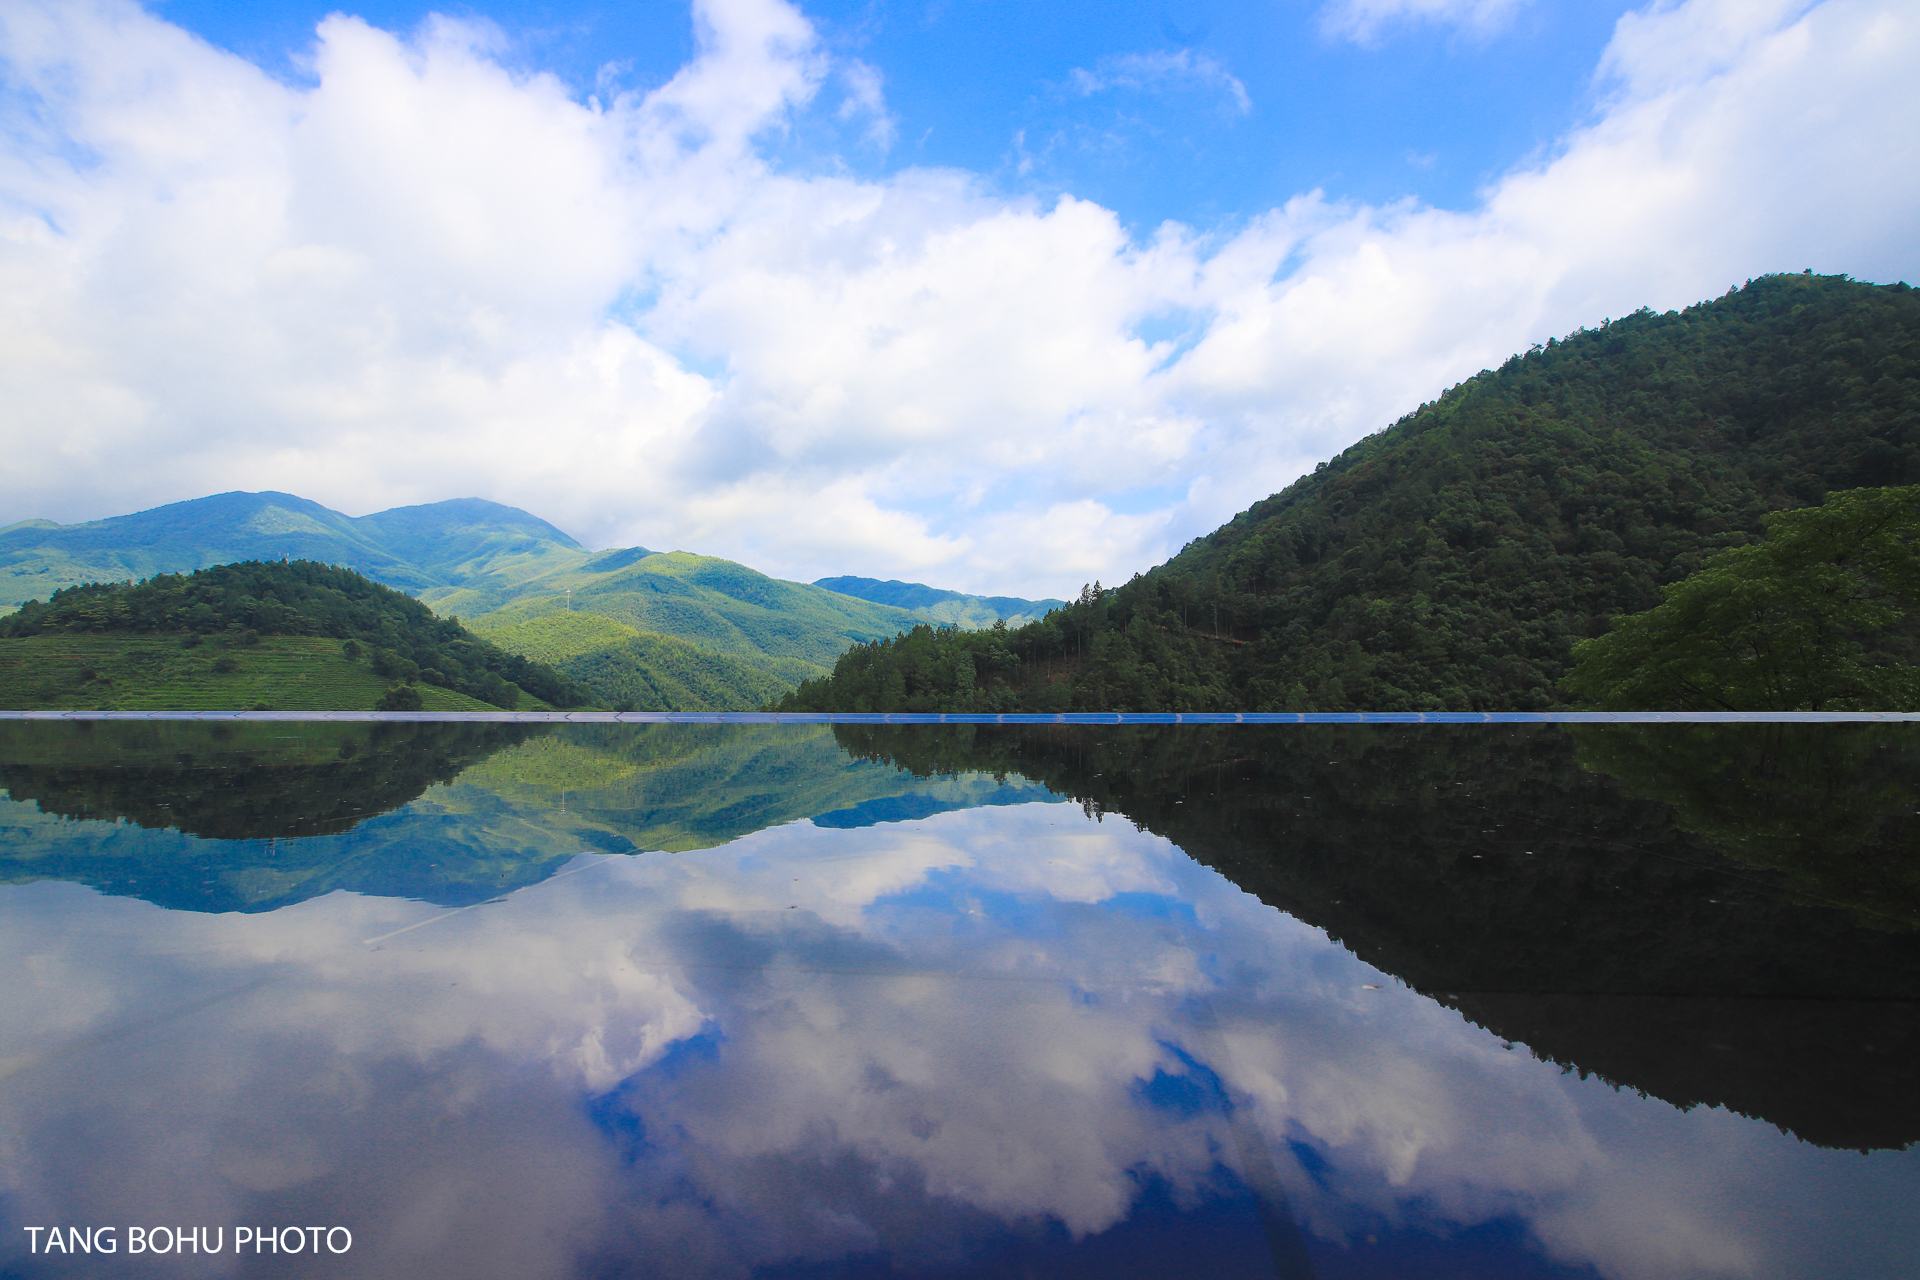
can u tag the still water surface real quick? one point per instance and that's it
(865, 1001)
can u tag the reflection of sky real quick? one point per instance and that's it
(980, 1035)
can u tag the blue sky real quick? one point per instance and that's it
(1420, 109)
(998, 296)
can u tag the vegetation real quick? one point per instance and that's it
(238, 604)
(154, 673)
(1820, 616)
(1453, 560)
(635, 670)
(787, 629)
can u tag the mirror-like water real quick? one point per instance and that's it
(864, 1001)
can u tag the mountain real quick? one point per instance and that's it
(1451, 560)
(462, 543)
(949, 608)
(720, 636)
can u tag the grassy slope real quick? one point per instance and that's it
(153, 672)
(626, 665)
(788, 629)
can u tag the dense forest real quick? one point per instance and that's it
(1451, 561)
(235, 604)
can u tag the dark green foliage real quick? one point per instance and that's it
(1451, 561)
(1817, 617)
(645, 672)
(402, 697)
(301, 598)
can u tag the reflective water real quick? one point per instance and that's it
(791, 1001)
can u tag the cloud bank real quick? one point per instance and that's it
(423, 275)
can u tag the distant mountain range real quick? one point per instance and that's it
(673, 631)
(953, 608)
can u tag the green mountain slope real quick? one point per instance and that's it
(233, 606)
(787, 629)
(443, 545)
(947, 608)
(637, 670)
(1450, 561)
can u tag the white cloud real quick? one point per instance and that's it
(1159, 72)
(425, 276)
(1363, 20)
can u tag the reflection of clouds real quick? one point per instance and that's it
(812, 1043)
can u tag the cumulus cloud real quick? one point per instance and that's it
(425, 275)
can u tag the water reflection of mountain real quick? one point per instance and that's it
(1548, 902)
(240, 781)
(252, 817)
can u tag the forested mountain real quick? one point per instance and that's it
(235, 605)
(1452, 560)
(440, 545)
(948, 608)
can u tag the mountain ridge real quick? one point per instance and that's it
(1450, 561)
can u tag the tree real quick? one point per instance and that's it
(1819, 616)
(402, 697)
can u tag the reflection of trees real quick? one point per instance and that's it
(240, 782)
(1831, 807)
(1485, 867)
(250, 817)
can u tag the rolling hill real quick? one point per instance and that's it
(182, 640)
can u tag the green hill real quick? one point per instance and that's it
(1450, 561)
(153, 673)
(787, 629)
(152, 644)
(637, 670)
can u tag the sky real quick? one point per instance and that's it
(989, 294)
